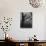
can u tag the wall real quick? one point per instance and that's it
(13, 8)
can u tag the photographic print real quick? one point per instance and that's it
(26, 20)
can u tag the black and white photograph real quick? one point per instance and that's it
(26, 20)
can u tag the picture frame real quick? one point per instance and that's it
(26, 20)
